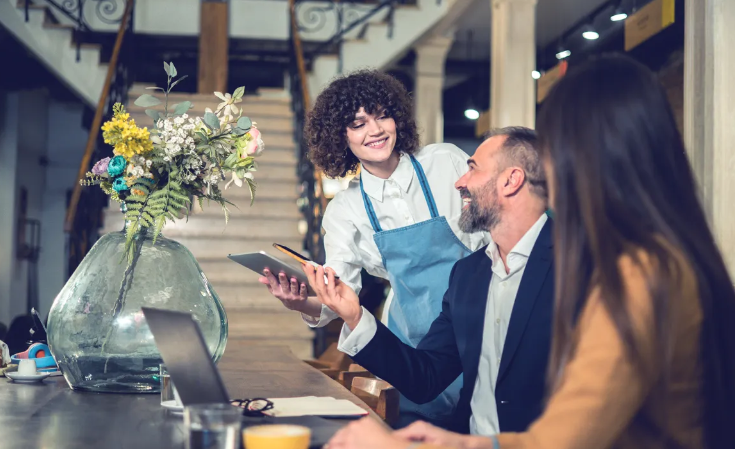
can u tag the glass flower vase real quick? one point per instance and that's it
(96, 329)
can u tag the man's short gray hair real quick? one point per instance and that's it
(521, 149)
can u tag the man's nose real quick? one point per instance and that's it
(461, 182)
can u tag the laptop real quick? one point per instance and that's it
(197, 380)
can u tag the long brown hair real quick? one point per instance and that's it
(622, 181)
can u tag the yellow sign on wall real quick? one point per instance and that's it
(649, 21)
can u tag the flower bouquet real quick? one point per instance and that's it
(96, 330)
(156, 173)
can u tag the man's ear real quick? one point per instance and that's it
(515, 178)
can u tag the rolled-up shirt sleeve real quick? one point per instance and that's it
(342, 254)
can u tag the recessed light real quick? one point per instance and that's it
(563, 54)
(535, 74)
(472, 114)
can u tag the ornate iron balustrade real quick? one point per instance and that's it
(107, 11)
(313, 17)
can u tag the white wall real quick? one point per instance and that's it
(32, 126)
(8, 163)
(66, 139)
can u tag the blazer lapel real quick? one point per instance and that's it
(476, 293)
(537, 268)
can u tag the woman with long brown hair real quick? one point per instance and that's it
(643, 354)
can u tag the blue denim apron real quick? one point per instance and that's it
(418, 259)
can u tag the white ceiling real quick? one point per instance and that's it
(553, 18)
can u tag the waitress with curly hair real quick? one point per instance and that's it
(399, 221)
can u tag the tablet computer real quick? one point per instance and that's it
(258, 262)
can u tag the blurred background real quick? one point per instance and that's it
(470, 65)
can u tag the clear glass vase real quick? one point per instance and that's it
(96, 330)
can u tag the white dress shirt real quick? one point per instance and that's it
(398, 202)
(500, 300)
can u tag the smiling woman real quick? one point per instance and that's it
(391, 221)
(349, 114)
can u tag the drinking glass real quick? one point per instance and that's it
(212, 426)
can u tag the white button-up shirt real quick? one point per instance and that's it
(398, 202)
(501, 297)
(500, 300)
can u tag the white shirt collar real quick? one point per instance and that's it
(402, 175)
(520, 253)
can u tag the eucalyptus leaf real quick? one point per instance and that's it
(239, 92)
(179, 80)
(155, 115)
(172, 70)
(155, 88)
(211, 120)
(244, 123)
(182, 108)
(238, 131)
(166, 68)
(147, 101)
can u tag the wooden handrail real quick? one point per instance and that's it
(301, 65)
(97, 121)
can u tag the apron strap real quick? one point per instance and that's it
(425, 187)
(370, 211)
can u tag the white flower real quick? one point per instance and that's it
(228, 104)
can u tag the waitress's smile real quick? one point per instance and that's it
(377, 144)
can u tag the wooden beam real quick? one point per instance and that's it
(213, 46)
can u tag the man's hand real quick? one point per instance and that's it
(366, 433)
(291, 294)
(334, 294)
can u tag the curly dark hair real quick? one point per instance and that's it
(326, 125)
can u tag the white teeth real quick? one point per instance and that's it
(375, 144)
(466, 201)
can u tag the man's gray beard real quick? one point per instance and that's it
(475, 218)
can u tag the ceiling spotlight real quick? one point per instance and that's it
(563, 54)
(591, 35)
(535, 74)
(472, 114)
(618, 15)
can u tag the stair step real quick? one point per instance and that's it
(274, 96)
(263, 207)
(214, 228)
(301, 348)
(204, 248)
(257, 110)
(269, 126)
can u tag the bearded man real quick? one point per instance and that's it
(496, 319)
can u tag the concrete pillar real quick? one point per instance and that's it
(512, 92)
(8, 163)
(709, 112)
(431, 55)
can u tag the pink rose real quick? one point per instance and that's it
(255, 146)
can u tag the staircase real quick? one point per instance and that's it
(255, 317)
(52, 43)
(375, 45)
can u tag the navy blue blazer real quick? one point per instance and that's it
(454, 342)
